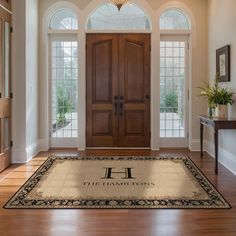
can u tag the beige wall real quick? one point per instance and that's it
(222, 31)
(199, 54)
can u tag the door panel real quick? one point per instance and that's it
(102, 123)
(134, 84)
(134, 128)
(118, 90)
(102, 90)
(132, 60)
(5, 90)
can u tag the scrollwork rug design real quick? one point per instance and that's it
(166, 182)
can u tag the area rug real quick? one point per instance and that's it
(118, 183)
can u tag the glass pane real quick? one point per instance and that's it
(7, 59)
(108, 17)
(172, 118)
(174, 19)
(64, 89)
(64, 19)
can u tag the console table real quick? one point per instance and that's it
(217, 124)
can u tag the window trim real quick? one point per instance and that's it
(117, 31)
(62, 32)
(175, 32)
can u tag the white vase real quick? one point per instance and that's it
(221, 111)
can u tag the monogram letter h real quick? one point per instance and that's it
(127, 173)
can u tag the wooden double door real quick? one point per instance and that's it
(118, 90)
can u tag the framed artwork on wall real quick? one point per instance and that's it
(223, 63)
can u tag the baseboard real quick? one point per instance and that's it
(32, 150)
(195, 145)
(227, 159)
(43, 145)
(21, 156)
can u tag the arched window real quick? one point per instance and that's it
(174, 67)
(174, 19)
(130, 16)
(64, 19)
(63, 78)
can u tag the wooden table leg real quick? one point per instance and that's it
(201, 138)
(216, 151)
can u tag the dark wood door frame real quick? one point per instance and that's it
(118, 90)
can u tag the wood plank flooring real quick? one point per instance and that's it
(117, 222)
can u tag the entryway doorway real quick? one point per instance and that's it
(118, 90)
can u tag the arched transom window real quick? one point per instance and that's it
(64, 19)
(108, 17)
(174, 19)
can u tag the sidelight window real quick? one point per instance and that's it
(174, 75)
(63, 78)
(64, 87)
(173, 94)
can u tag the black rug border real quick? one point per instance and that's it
(212, 185)
(122, 157)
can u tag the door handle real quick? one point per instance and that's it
(121, 105)
(116, 105)
(121, 109)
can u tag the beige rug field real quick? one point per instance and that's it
(118, 182)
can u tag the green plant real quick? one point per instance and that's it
(63, 104)
(172, 101)
(169, 102)
(216, 95)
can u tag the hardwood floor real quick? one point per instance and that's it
(117, 222)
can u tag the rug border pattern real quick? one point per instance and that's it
(215, 199)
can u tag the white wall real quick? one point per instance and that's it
(222, 31)
(25, 80)
(32, 72)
